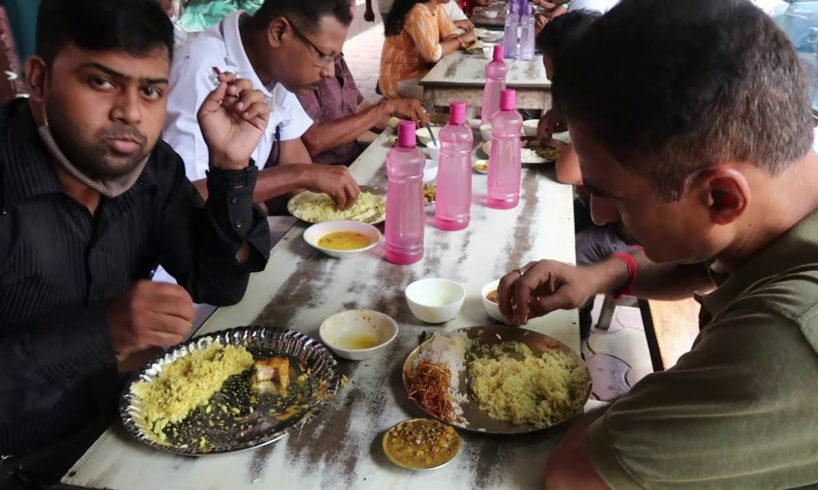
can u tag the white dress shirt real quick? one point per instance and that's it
(190, 82)
(455, 12)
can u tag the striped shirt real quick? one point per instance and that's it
(59, 265)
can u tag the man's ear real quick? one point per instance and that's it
(36, 69)
(276, 30)
(726, 192)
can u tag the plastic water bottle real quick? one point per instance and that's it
(527, 34)
(505, 169)
(510, 31)
(404, 199)
(496, 71)
(453, 202)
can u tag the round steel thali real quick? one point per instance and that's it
(252, 420)
(295, 206)
(475, 419)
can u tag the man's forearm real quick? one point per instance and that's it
(272, 182)
(653, 280)
(327, 135)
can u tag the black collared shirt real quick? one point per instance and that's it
(59, 264)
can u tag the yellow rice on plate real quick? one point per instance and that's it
(513, 384)
(318, 208)
(185, 384)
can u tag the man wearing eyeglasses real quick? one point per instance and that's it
(287, 46)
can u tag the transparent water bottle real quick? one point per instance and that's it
(404, 198)
(510, 31)
(505, 168)
(496, 71)
(453, 201)
(527, 34)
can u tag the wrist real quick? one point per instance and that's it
(611, 275)
(387, 108)
(222, 162)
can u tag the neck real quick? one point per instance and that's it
(78, 191)
(783, 202)
(254, 43)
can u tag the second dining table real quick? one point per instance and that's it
(341, 448)
(461, 76)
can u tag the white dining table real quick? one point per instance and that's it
(461, 76)
(341, 448)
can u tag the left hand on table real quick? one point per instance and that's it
(233, 119)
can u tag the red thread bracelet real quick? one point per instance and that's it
(627, 289)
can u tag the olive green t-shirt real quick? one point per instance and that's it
(740, 410)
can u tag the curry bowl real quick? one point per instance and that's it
(342, 239)
(358, 334)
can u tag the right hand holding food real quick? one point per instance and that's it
(549, 124)
(149, 314)
(410, 109)
(336, 181)
(468, 37)
(542, 287)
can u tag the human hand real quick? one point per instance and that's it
(149, 314)
(542, 287)
(467, 37)
(410, 109)
(466, 25)
(540, 21)
(549, 124)
(334, 180)
(233, 119)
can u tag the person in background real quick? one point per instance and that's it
(286, 46)
(341, 116)
(458, 16)
(698, 138)
(90, 202)
(418, 34)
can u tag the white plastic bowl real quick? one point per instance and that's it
(317, 231)
(491, 14)
(492, 308)
(341, 331)
(530, 127)
(423, 135)
(430, 171)
(485, 132)
(435, 300)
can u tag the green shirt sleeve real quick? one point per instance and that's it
(738, 411)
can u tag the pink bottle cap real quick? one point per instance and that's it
(528, 9)
(499, 52)
(457, 113)
(508, 100)
(406, 134)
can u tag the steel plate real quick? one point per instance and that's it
(476, 419)
(262, 421)
(294, 206)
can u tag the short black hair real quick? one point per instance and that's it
(671, 88)
(306, 13)
(134, 26)
(563, 30)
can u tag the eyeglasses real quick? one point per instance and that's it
(324, 59)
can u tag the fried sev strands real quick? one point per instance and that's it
(430, 388)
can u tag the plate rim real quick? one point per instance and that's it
(133, 429)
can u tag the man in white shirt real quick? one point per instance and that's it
(287, 46)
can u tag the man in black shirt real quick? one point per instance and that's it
(91, 202)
